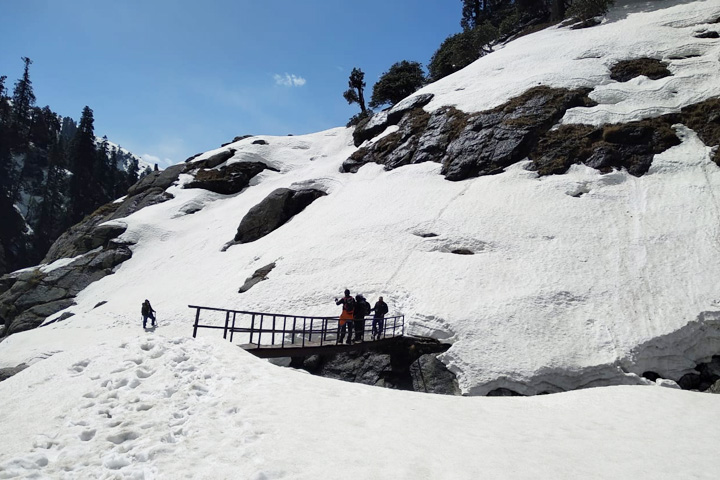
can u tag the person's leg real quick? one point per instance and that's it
(350, 332)
(152, 317)
(381, 323)
(145, 320)
(341, 332)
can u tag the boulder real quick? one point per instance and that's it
(6, 373)
(214, 160)
(158, 180)
(35, 316)
(35, 295)
(227, 180)
(273, 212)
(257, 277)
(432, 376)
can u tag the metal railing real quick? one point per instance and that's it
(283, 330)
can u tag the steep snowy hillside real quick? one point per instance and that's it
(577, 280)
(541, 282)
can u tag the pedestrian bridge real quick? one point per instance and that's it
(269, 335)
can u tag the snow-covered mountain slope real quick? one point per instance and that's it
(577, 280)
(165, 408)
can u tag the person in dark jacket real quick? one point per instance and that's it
(362, 308)
(147, 312)
(380, 309)
(346, 317)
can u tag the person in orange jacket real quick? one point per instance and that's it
(346, 317)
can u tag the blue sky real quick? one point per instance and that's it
(168, 79)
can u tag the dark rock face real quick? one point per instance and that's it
(427, 374)
(375, 125)
(471, 145)
(410, 364)
(430, 375)
(217, 159)
(273, 212)
(487, 142)
(707, 34)
(704, 119)
(33, 295)
(628, 69)
(257, 277)
(631, 145)
(6, 373)
(227, 180)
(157, 181)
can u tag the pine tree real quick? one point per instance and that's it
(461, 49)
(355, 94)
(5, 155)
(23, 101)
(402, 79)
(132, 173)
(51, 214)
(82, 162)
(102, 175)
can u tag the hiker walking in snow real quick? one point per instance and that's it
(380, 309)
(346, 317)
(362, 308)
(147, 312)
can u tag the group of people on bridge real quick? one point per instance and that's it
(352, 317)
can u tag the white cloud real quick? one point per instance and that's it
(289, 80)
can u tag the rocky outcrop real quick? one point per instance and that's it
(257, 277)
(409, 364)
(27, 298)
(485, 143)
(227, 180)
(33, 295)
(628, 69)
(6, 373)
(375, 125)
(471, 145)
(631, 146)
(273, 212)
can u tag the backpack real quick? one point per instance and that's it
(349, 304)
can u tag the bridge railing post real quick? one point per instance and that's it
(272, 341)
(303, 331)
(262, 320)
(284, 330)
(252, 328)
(197, 320)
(227, 322)
(232, 329)
(293, 330)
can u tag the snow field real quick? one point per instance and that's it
(158, 407)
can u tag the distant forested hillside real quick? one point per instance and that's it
(53, 172)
